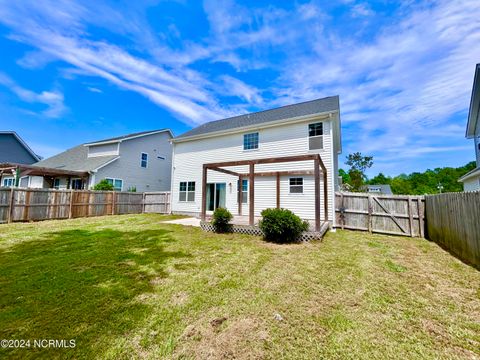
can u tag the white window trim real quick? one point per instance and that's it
(113, 182)
(187, 192)
(141, 160)
(8, 178)
(243, 142)
(308, 136)
(290, 186)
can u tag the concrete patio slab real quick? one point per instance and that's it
(191, 221)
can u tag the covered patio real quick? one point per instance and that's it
(251, 220)
(17, 171)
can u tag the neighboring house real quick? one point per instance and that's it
(298, 130)
(379, 189)
(140, 161)
(14, 150)
(471, 180)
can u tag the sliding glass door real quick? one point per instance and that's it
(216, 193)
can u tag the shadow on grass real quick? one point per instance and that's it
(79, 284)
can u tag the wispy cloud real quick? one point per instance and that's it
(53, 100)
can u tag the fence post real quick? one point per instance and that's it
(342, 206)
(421, 214)
(143, 202)
(370, 208)
(70, 208)
(11, 205)
(113, 202)
(410, 216)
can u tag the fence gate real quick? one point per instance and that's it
(386, 214)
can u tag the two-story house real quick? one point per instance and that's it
(14, 150)
(136, 162)
(471, 180)
(285, 157)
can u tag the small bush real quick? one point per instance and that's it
(132, 189)
(281, 225)
(103, 185)
(221, 220)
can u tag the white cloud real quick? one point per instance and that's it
(94, 89)
(53, 99)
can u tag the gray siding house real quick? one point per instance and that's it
(14, 150)
(140, 161)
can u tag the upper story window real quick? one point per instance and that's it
(250, 141)
(315, 136)
(144, 161)
(187, 191)
(296, 185)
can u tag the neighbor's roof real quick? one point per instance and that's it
(470, 174)
(324, 105)
(474, 105)
(24, 144)
(129, 136)
(384, 189)
(75, 159)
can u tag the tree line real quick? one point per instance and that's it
(416, 183)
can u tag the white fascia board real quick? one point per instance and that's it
(473, 173)
(103, 165)
(320, 116)
(128, 138)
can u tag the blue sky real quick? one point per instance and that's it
(72, 72)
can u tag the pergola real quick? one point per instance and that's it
(317, 166)
(19, 170)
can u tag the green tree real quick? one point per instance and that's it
(104, 185)
(358, 165)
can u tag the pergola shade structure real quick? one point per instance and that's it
(20, 170)
(318, 168)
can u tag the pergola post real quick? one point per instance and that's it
(251, 187)
(325, 194)
(317, 193)
(204, 193)
(278, 190)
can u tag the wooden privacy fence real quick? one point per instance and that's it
(42, 204)
(454, 223)
(386, 214)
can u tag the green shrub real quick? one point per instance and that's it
(103, 185)
(132, 189)
(281, 225)
(221, 220)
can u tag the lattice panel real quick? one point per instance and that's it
(254, 230)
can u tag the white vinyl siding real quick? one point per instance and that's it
(472, 184)
(278, 141)
(103, 150)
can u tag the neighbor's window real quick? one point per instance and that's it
(187, 191)
(117, 183)
(77, 184)
(243, 187)
(296, 185)
(8, 182)
(315, 136)
(56, 184)
(250, 141)
(144, 161)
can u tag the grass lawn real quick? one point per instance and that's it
(132, 287)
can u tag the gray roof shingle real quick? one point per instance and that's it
(317, 106)
(75, 159)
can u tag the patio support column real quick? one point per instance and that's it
(240, 196)
(278, 190)
(316, 171)
(251, 188)
(204, 193)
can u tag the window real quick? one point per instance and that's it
(250, 141)
(7, 182)
(117, 183)
(296, 185)
(315, 136)
(77, 184)
(187, 191)
(56, 184)
(144, 161)
(243, 187)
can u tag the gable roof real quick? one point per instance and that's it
(23, 143)
(474, 105)
(473, 173)
(318, 106)
(384, 188)
(129, 136)
(76, 159)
